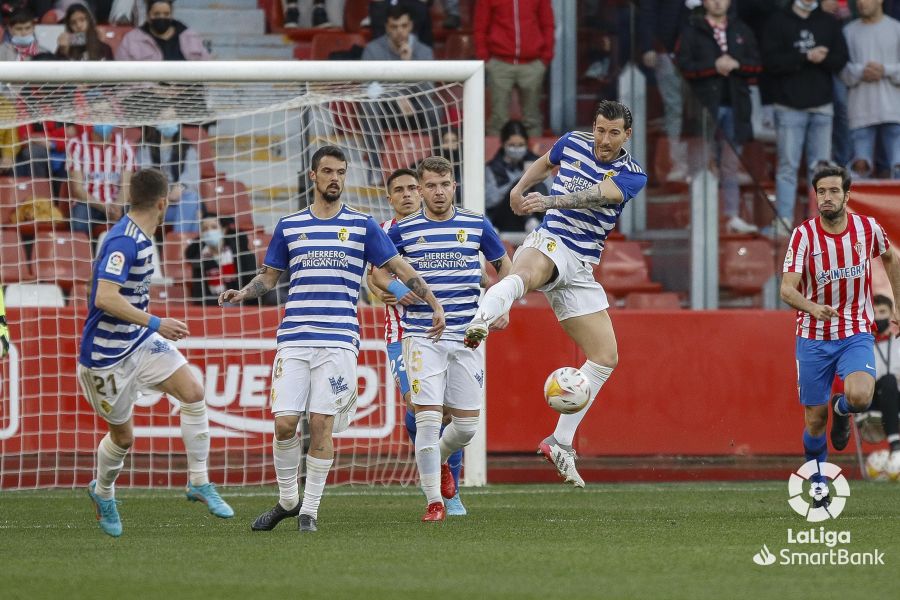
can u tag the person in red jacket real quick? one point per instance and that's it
(515, 39)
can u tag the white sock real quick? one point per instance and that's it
(567, 424)
(195, 433)
(457, 435)
(498, 299)
(428, 457)
(316, 474)
(110, 460)
(286, 454)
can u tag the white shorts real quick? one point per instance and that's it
(574, 292)
(444, 373)
(113, 391)
(318, 380)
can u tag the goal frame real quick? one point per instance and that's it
(469, 73)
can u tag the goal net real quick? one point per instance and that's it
(235, 140)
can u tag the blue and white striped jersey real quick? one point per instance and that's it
(327, 259)
(445, 254)
(584, 230)
(125, 258)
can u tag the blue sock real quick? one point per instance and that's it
(815, 448)
(410, 422)
(455, 463)
(843, 407)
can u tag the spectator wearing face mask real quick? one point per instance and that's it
(80, 40)
(887, 373)
(219, 260)
(22, 44)
(162, 37)
(503, 172)
(99, 164)
(164, 148)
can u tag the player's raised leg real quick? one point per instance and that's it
(594, 335)
(184, 386)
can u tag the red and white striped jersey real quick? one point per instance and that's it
(836, 270)
(101, 164)
(393, 331)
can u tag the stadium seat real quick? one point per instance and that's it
(649, 301)
(402, 149)
(63, 258)
(226, 198)
(14, 263)
(112, 35)
(323, 44)
(14, 192)
(491, 146)
(354, 13)
(259, 244)
(178, 271)
(624, 269)
(746, 265)
(34, 294)
(206, 152)
(459, 46)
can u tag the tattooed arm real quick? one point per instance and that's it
(405, 273)
(266, 278)
(597, 196)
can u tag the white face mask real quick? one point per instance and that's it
(807, 6)
(212, 237)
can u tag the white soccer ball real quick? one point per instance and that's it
(893, 466)
(567, 390)
(877, 465)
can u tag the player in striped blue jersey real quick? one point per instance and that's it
(124, 351)
(443, 243)
(596, 178)
(325, 247)
(403, 196)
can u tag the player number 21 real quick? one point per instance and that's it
(100, 383)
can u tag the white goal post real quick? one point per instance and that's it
(231, 101)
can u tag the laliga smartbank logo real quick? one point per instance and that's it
(820, 546)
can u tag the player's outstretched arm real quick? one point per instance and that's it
(266, 278)
(537, 172)
(406, 274)
(110, 301)
(790, 293)
(892, 268)
(597, 196)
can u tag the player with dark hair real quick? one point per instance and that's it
(596, 178)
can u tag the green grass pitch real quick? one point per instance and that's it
(650, 541)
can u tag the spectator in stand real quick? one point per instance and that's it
(22, 44)
(515, 39)
(164, 148)
(502, 174)
(659, 23)
(161, 38)
(100, 163)
(419, 11)
(314, 14)
(801, 50)
(718, 56)
(398, 42)
(219, 260)
(80, 40)
(873, 78)
(840, 125)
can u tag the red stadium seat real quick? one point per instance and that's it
(354, 13)
(624, 269)
(226, 198)
(746, 265)
(323, 44)
(401, 149)
(14, 264)
(259, 245)
(112, 35)
(16, 191)
(648, 301)
(459, 46)
(64, 258)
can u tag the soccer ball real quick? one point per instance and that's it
(877, 465)
(893, 466)
(567, 390)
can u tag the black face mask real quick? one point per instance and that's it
(160, 26)
(881, 325)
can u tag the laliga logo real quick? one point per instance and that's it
(818, 490)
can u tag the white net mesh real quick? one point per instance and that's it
(239, 154)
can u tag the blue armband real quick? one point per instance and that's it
(153, 325)
(397, 288)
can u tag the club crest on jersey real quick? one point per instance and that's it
(106, 406)
(461, 236)
(551, 246)
(859, 250)
(415, 386)
(343, 234)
